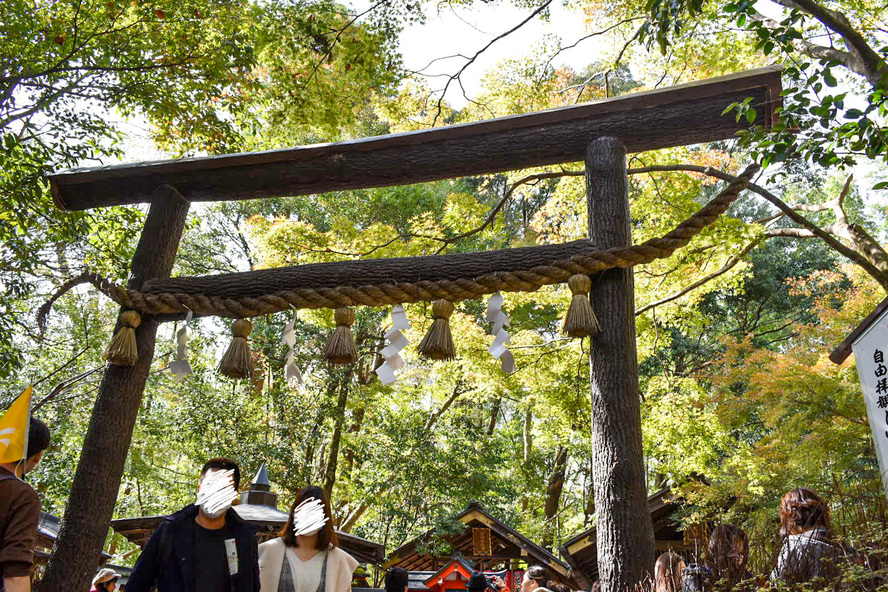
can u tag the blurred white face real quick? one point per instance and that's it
(216, 492)
(309, 517)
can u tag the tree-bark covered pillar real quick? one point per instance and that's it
(97, 480)
(624, 531)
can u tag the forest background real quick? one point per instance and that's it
(740, 402)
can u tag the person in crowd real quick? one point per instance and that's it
(808, 551)
(477, 582)
(204, 547)
(20, 512)
(497, 583)
(534, 578)
(105, 580)
(556, 587)
(696, 577)
(396, 580)
(728, 553)
(306, 556)
(668, 571)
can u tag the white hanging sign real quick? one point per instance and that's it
(397, 343)
(871, 356)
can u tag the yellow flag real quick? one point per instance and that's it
(14, 429)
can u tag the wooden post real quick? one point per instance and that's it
(94, 490)
(624, 531)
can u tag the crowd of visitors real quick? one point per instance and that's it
(207, 547)
(808, 552)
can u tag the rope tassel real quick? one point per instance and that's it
(237, 361)
(580, 320)
(123, 351)
(341, 348)
(438, 342)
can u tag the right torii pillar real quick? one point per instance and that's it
(625, 535)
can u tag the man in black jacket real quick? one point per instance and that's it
(204, 547)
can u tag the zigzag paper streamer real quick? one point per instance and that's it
(499, 349)
(397, 342)
(180, 367)
(289, 338)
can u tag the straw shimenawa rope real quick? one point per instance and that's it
(528, 280)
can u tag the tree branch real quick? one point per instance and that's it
(868, 63)
(729, 264)
(787, 210)
(812, 50)
(790, 233)
(434, 417)
(479, 52)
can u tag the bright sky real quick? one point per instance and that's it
(451, 30)
(466, 30)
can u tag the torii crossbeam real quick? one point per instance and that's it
(600, 133)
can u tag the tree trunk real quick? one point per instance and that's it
(353, 518)
(528, 433)
(349, 454)
(553, 495)
(97, 480)
(494, 413)
(625, 534)
(338, 420)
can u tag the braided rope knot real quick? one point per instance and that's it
(386, 294)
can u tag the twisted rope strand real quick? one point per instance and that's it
(421, 291)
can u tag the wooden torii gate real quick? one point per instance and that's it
(599, 133)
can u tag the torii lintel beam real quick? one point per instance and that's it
(674, 116)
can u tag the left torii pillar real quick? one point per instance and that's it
(97, 480)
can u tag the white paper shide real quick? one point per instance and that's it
(397, 342)
(180, 366)
(499, 349)
(289, 339)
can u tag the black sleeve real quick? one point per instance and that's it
(254, 547)
(144, 576)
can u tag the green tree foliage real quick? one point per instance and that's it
(739, 402)
(207, 75)
(823, 44)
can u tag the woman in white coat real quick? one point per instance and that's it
(306, 557)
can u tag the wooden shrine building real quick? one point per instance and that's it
(484, 543)
(580, 551)
(258, 506)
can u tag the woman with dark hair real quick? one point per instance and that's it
(808, 551)
(105, 581)
(727, 554)
(534, 578)
(668, 572)
(306, 556)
